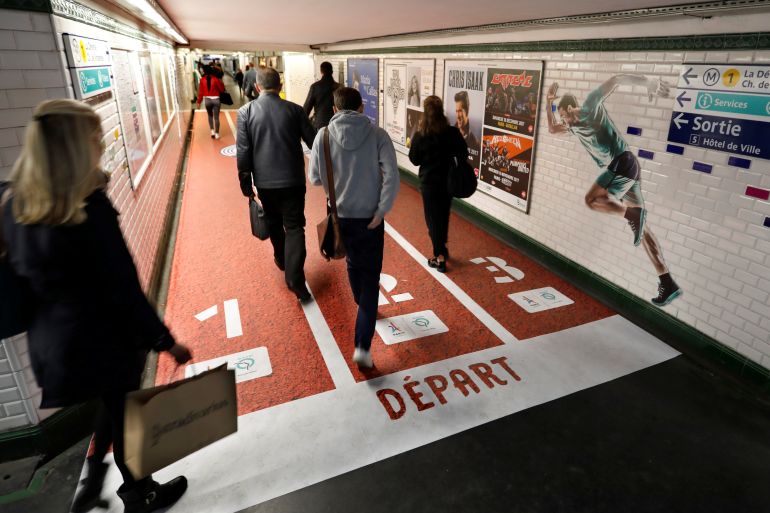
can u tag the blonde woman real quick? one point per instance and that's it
(91, 324)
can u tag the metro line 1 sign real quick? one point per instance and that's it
(723, 107)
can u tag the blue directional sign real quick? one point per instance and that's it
(723, 107)
(741, 136)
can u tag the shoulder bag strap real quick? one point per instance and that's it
(330, 172)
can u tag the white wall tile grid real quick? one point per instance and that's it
(711, 233)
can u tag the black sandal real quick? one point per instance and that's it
(439, 265)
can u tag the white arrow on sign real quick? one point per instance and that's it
(678, 121)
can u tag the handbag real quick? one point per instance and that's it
(225, 98)
(258, 220)
(168, 422)
(16, 300)
(329, 237)
(462, 181)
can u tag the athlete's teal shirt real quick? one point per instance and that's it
(597, 132)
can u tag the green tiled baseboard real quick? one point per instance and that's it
(748, 41)
(706, 350)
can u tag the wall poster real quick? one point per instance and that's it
(363, 74)
(151, 94)
(159, 76)
(407, 84)
(495, 106)
(132, 118)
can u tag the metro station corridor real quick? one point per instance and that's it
(536, 375)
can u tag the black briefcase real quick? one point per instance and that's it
(258, 220)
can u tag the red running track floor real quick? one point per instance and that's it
(216, 259)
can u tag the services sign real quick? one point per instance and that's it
(723, 107)
(89, 82)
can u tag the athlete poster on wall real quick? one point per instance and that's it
(407, 83)
(363, 74)
(495, 107)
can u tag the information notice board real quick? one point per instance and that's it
(494, 104)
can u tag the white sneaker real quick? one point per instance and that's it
(216, 136)
(363, 358)
(212, 134)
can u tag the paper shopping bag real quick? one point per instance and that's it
(168, 422)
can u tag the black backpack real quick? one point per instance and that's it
(16, 299)
(462, 178)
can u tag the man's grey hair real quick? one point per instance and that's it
(268, 78)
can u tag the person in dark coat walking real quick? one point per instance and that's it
(434, 148)
(91, 324)
(269, 157)
(320, 98)
(239, 80)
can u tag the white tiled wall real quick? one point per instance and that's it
(712, 235)
(30, 72)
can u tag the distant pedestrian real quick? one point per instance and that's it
(208, 92)
(269, 152)
(435, 148)
(250, 82)
(319, 98)
(366, 182)
(239, 80)
(91, 324)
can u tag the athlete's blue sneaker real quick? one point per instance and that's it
(636, 217)
(666, 294)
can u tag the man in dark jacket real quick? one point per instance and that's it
(269, 151)
(320, 97)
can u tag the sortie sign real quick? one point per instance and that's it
(723, 107)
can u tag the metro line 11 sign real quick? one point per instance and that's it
(723, 107)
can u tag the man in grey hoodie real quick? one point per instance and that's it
(366, 182)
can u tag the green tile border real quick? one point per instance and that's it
(52, 436)
(747, 41)
(707, 351)
(27, 5)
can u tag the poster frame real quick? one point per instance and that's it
(504, 63)
(348, 77)
(403, 148)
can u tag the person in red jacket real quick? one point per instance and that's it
(209, 90)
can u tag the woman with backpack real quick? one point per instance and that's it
(89, 325)
(436, 148)
(208, 92)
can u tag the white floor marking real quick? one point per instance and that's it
(479, 260)
(502, 264)
(230, 123)
(296, 444)
(503, 279)
(208, 313)
(233, 319)
(541, 299)
(382, 300)
(330, 351)
(399, 298)
(402, 328)
(248, 365)
(481, 314)
(388, 282)
(492, 269)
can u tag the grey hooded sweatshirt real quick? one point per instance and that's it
(366, 177)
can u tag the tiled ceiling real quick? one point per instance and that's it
(305, 22)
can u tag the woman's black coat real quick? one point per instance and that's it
(92, 324)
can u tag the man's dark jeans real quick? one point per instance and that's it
(285, 213)
(364, 257)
